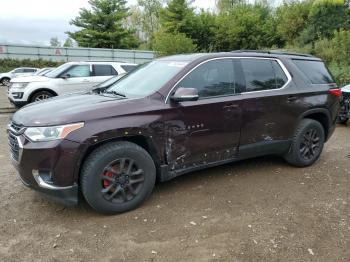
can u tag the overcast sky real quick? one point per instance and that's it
(36, 21)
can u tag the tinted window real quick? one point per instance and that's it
(29, 70)
(214, 78)
(104, 70)
(262, 74)
(128, 68)
(79, 71)
(316, 71)
(20, 70)
(280, 77)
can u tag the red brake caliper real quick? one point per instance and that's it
(106, 183)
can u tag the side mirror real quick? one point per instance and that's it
(185, 94)
(65, 76)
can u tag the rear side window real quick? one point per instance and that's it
(29, 70)
(211, 79)
(263, 74)
(104, 70)
(128, 68)
(315, 71)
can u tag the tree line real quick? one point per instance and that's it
(319, 27)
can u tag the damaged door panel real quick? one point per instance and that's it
(208, 130)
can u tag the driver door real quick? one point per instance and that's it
(208, 130)
(76, 78)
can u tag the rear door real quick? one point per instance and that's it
(207, 130)
(268, 106)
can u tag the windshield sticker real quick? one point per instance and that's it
(177, 64)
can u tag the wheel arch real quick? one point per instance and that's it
(140, 140)
(40, 90)
(320, 115)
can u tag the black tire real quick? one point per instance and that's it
(5, 81)
(98, 166)
(41, 95)
(307, 144)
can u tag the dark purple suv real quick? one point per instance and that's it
(172, 116)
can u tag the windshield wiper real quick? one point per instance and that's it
(112, 92)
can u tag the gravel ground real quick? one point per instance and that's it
(255, 210)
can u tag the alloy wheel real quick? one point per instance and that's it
(310, 144)
(121, 180)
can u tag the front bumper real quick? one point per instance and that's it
(17, 97)
(47, 167)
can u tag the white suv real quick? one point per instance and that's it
(68, 78)
(5, 78)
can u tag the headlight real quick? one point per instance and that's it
(18, 85)
(50, 133)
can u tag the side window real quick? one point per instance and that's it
(29, 70)
(128, 68)
(262, 74)
(281, 78)
(316, 71)
(78, 71)
(214, 78)
(19, 70)
(104, 70)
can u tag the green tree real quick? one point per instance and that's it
(178, 16)
(173, 43)
(68, 43)
(292, 19)
(54, 42)
(150, 18)
(326, 16)
(247, 27)
(104, 25)
(227, 5)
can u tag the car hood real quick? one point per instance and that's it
(75, 108)
(346, 89)
(26, 79)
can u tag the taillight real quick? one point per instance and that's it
(335, 92)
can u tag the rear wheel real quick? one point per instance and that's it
(307, 144)
(117, 177)
(41, 95)
(5, 81)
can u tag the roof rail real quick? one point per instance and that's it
(116, 61)
(272, 52)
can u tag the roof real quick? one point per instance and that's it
(238, 53)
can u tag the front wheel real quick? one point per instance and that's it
(41, 95)
(117, 177)
(307, 144)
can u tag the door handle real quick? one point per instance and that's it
(292, 98)
(86, 81)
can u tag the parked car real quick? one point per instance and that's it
(172, 116)
(344, 113)
(67, 78)
(5, 78)
(44, 71)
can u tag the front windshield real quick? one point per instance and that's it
(59, 70)
(109, 81)
(147, 79)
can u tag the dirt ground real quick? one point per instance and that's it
(255, 210)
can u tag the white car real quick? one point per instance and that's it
(5, 78)
(68, 78)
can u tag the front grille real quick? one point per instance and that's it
(14, 146)
(16, 127)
